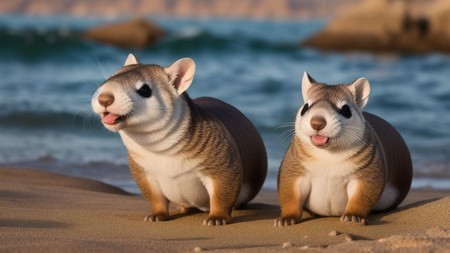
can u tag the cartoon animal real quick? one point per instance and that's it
(200, 153)
(341, 161)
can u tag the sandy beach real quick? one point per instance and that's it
(46, 212)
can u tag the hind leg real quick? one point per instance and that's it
(388, 199)
(362, 197)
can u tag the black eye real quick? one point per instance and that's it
(145, 91)
(345, 111)
(305, 108)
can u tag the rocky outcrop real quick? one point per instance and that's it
(137, 33)
(439, 16)
(388, 25)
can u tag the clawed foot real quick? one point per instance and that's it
(286, 221)
(354, 219)
(156, 218)
(216, 221)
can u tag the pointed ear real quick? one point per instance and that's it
(307, 82)
(361, 90)
(131, 59)
(181, 73)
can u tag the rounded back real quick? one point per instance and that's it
(398, 158)
(248, 141)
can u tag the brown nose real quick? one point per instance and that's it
(318, 122)
(105, 99)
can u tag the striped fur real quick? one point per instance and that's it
(181, 150)
(346, 175)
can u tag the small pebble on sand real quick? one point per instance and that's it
(286, 245)
(334, 233)
(198, 249)
(348, 237)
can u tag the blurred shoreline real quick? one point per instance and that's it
(244, 9)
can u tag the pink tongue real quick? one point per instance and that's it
(319, 140)
(110, 118)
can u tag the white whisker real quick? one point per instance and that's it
(105, 75)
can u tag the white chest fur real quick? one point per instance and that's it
(328, 185)
(178, 179)
(174, 176)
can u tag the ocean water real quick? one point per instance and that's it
(48, 74)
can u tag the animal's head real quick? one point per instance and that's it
(331, 116)
(141, 94)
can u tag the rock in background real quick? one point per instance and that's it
(407, 26)
(137, 33)
(439, 16)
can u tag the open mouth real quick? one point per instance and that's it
(319, 140)
(112, 119)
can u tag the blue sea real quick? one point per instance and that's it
(48, 73)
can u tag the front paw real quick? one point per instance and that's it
(354, 218)
(285, 221)
(216, 220)
(156, 218)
